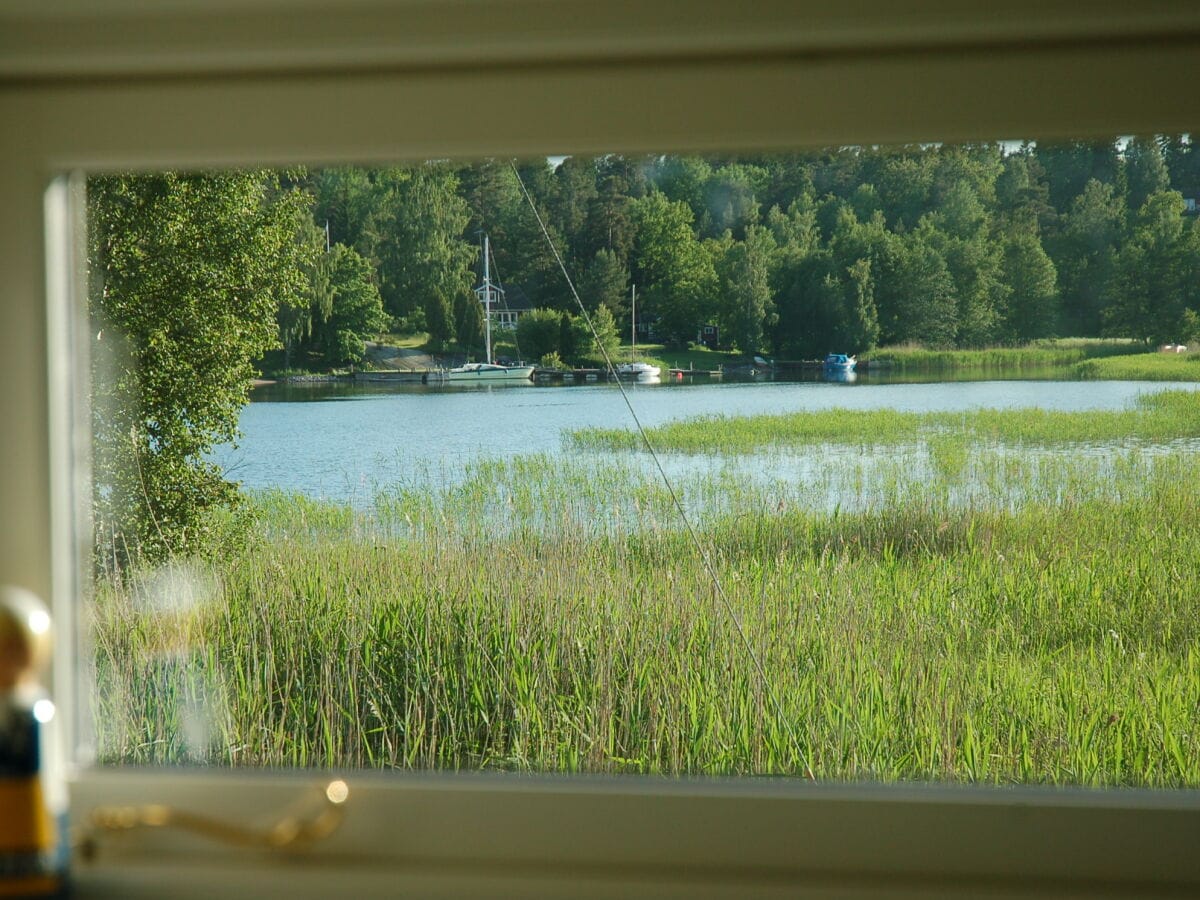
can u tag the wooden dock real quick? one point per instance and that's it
(695, 374)
(592, 376)
(571, 376)
(395, 376)
(808, 365)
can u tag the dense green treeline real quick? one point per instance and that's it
(195, 277)
(945, 246)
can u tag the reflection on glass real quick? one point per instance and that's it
(969, 559)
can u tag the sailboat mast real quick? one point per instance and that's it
(632, 319)
(487, 303)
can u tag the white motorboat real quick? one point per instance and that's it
(840, 362)
(637, 370)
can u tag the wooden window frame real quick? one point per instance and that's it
(110, 86)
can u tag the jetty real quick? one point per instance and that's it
(575, 376)
(394, 376)
(691, 374)
(802, 365)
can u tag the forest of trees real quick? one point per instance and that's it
(193, 278)
(794, 255)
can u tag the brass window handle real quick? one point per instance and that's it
(290, 832)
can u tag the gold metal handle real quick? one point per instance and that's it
(291, 832)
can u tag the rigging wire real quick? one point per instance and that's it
(693, 534)
(504, 301)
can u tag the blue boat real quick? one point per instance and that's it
(840, 362)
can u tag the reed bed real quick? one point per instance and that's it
(967, 614)
(1142, 367)
(1037, 355)
(1156, 417)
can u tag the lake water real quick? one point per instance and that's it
(344, 443)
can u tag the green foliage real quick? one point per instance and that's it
(963, 234)
(914, 291)
(186, 274)
(568, 345)
(538, 333)
(356, 311)
(1068, 166)
(1145, 170)
(1085, 248)
(747, 309)
(1182, 157)
(1157, 273)
(940, 245)
(605, 282)
(905, 184)
(825, 308)
(944, 245)
(546, 332)
(552, 361)
(1032, 284)
(439, 320)
(605, 340)
(296, 319)
(675, 277)
(412, 324)
(469, 326)
(409, 222)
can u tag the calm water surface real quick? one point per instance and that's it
(344, 443)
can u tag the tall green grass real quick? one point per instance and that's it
(1161, 416)
(983, 616)
(1142, 367)
(1037, 355)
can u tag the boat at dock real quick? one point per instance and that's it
(642, 371)
(639, 370)
(473, 372)
(840, 362)
(839, 367)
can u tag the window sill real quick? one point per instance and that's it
(475, 835)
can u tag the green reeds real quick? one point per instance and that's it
(967, 614)
(1142, 367)
(1156, 417)
(1037, 355)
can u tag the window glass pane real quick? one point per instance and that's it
(923, 421)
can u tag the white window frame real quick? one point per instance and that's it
(111, 86)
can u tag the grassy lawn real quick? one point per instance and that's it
(406, 341)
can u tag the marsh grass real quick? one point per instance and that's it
(1037, 355)
(985, 616)
(1142, 367)
(1157, 417)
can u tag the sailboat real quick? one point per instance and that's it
(488, 294)
(642, 371)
